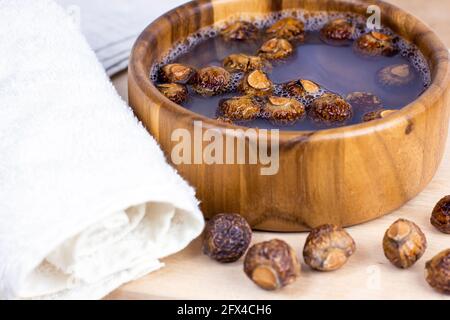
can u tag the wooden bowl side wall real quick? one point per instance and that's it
(344, 176)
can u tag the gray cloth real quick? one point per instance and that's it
(112, 26)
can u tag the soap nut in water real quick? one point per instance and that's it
(328, 248)
(240, 108)
(275, 49)
(211, 81)
(256, 83)
(283, 110)
(272, 265)
(289, 28)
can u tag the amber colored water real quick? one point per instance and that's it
(338, 69)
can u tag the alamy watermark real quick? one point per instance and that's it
(228, 146)
(374, 19)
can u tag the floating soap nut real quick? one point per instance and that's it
(338, 32)
(240, 30)
(330, 108)
(224, 119)
(376, 44)
(177, 93)
(276, 49)
(226, 237)
(328, 248)
(364, 101)
(256, 83)
(288, 28)
(404, 243)
(272, 265)
(302, 88)
(176, 73)
(396, 75)
(243, 63)
(438, 272)
(211, 81)
(440, 218)
(376, 115)
(283, 110)
(240, 108)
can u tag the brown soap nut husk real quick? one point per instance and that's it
(272, 265)
(289, 28)
(224, 119)
(240, 30)
(378, 114)
(177, 93)
(338, 32)
(243, 63)
(240, 108)
(177, 73)
(404, 243)
(256, 83)
(396, 75)
(276, 49)
(211, 81)
(283, 110)
(328, 248)
(226, 237)
(330, 108)
(301, 88)
(364, 101)
(376, 44)
(440, 218)
(438, 272)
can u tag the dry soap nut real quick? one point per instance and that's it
(175, 92)
(301, 88)
(337, 32)
(331, 108)
(288, 28)
(226, 237)
(240, 108)
(177, 73)
(440, 218)
(438, 272)
(272, 265)
(283, 110)
(211, 81)
(376, 44)
(404, 243)
(240, 30)
(328, 248)
(364, 101)
(243, 63)
(378, 114)
(396, 76)
(276, 49)
(256, 83)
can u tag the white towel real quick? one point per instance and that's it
(112, 26)
(87, 201)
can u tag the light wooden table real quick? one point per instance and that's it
(368, 275)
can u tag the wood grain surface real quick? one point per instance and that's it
(368, 275)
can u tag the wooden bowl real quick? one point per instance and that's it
(344, 176)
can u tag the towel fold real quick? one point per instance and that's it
(87, 200)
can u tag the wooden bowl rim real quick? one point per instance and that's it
(439, 84)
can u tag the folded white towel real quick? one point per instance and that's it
(111, 27)
(87, 201)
